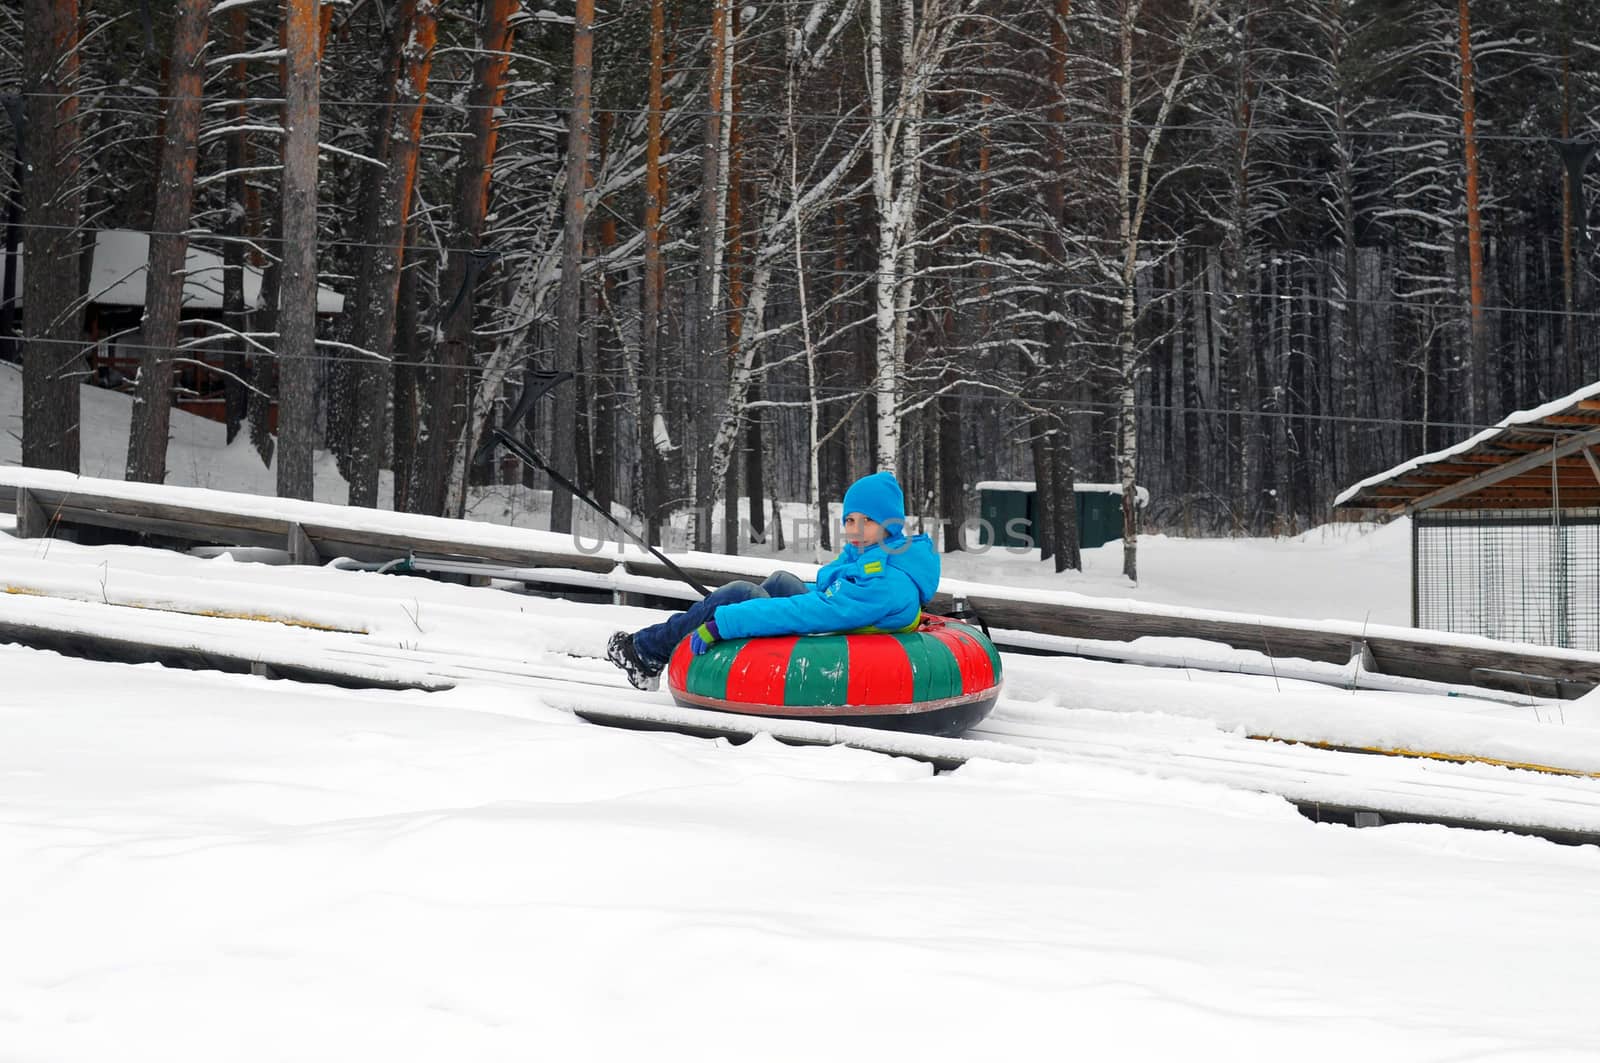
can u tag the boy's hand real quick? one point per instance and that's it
(702, 637)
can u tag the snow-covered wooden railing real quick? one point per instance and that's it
(48, 503)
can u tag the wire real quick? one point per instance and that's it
(991, 394)
(1005, 277)
(962, 122)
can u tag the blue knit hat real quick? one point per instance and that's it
(877, 497)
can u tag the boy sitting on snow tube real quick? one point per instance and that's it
(879, 582)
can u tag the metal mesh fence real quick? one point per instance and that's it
(1529, 577)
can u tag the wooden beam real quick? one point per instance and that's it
(302, 551)
(1418, 655)
(31, 520)
(1594, 466)
(1521, 445)
(1489, 477)
(1454, 468)
(1539, 507)
(1482, 500)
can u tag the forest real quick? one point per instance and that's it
(1241, 253)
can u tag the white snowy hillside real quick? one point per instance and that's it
(199, 866)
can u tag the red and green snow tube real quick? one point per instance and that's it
(940, 679)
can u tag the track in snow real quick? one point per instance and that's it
(1321, 783)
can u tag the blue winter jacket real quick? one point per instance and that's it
(883, 587)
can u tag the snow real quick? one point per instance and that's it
(1029, 486)
(201, 865)
(206, 866)
(121, 266)
(1358, 572)
(197, 452)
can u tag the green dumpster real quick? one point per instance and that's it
(1006, 512)
(1009, 508)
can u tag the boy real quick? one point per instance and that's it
(879, 582)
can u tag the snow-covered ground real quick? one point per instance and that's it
(197, 866)
(202, 867)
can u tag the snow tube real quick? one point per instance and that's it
(940, 679)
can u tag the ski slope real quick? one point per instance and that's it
(199, 866)
(206, 865)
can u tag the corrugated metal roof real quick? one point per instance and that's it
(1535, 459)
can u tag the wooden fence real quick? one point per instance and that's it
(60, 504)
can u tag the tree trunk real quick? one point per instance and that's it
(952, 460)
(297, 302)
(1063, 496)
(708, 284)
(236, 224)
(440, 444)
(169, 244)
(1064, 509)
(754, 468)
(649, 458)
(603, 349)
(886, 357)
(1128, 232)
(1132, 202)
(1478, 376)
(266, 373)
(378, 288)
(736, 293)
(407, 384)
(1194, 459)
(1044, 488)
(563, 448)
(52, 207)
(10, 342)
(1574, 227)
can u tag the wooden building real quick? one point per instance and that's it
(1505, 526)
(114, 309)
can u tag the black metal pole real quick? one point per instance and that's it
(527, 454)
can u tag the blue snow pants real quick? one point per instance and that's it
(655, 644)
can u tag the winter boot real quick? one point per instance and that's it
(620, 652)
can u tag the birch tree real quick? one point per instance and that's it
(789, 203)
(896, 148)
(1133, 201)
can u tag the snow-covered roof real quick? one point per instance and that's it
(120, 267)
(1551, 427)
(1028, 485)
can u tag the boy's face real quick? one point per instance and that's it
(862, 531)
